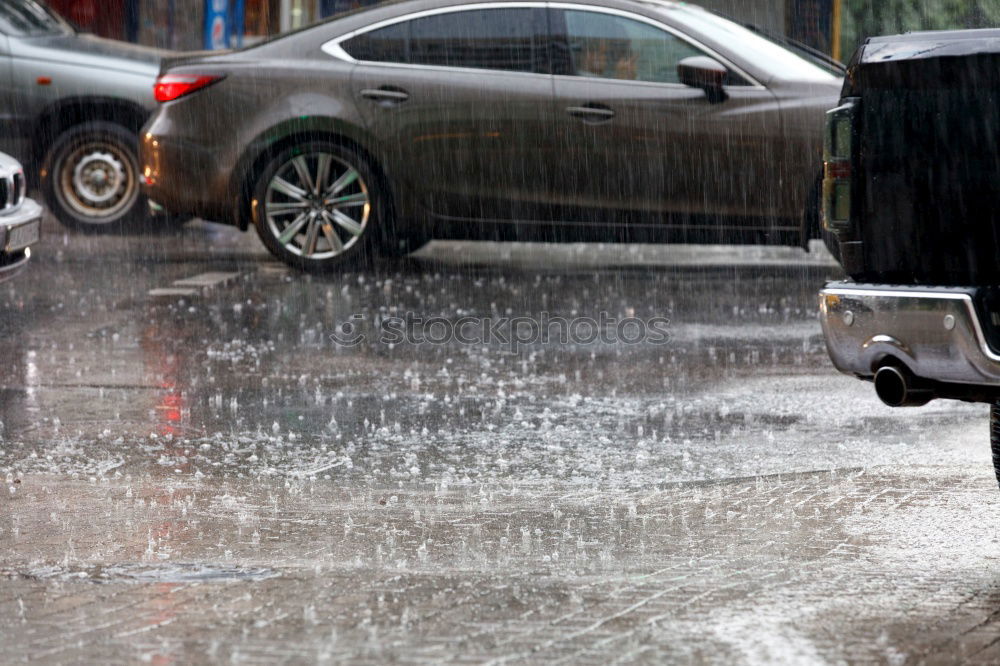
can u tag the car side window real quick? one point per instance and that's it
(513, 39)
(614, 47)
(389, 44)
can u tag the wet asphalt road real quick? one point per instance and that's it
(194, 471)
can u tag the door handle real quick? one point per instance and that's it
(386, 95)
(591, 113)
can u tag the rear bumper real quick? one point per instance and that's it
(939, 333)
(186, 178)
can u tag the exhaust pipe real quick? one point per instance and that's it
(896, 387)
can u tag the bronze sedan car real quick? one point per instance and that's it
(611, 120)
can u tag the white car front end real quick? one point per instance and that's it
(20, 219)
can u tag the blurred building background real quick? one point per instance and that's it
(832, 26)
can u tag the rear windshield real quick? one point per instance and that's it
(27, 17)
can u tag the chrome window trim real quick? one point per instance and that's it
(333, 47)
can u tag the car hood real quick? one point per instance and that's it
(90, 51)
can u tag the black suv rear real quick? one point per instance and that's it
(911, 190)
(914, 160)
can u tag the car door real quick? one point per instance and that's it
(641, 147)
(460, 99)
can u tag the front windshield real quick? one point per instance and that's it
(777, 56)
(27, 17)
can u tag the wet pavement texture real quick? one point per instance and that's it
(194, 470)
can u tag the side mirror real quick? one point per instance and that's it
(705, 73)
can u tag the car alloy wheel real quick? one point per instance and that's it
(317, 206)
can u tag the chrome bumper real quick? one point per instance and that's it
(936, 332)
(12, 263)
(28, 211)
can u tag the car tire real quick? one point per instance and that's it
(320, 207)
(90, 178)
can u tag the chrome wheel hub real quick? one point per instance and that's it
(98, 178)
(317, 206)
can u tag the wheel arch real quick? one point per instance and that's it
(73, 111)
(273, 141)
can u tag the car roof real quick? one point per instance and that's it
(393, 8)
(362, 17)
(693, 20)
(931, 44)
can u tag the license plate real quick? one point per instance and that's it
(22, 236)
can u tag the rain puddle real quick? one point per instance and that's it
(176, 572)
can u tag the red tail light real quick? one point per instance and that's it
(171, 86)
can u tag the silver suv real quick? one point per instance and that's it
(71, 106)
(20, 218)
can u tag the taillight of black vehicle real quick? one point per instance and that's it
(928, 167)
(169, 87)
(838, 156)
